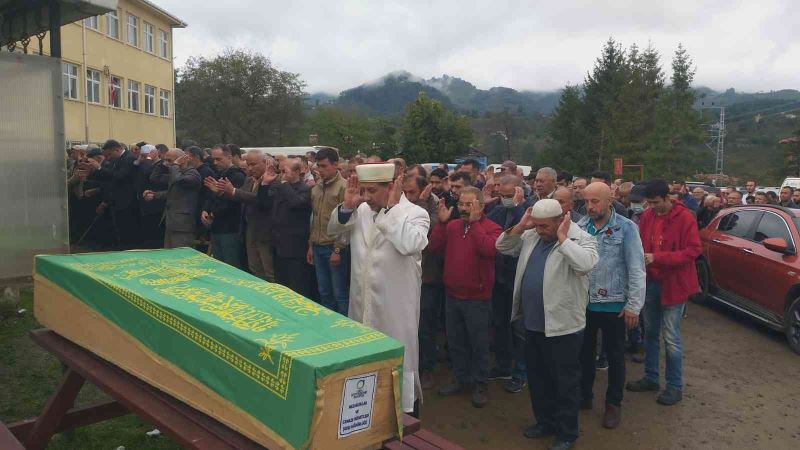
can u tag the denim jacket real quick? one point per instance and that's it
(619, 275)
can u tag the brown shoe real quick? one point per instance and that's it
(612, 417)
(426, 379)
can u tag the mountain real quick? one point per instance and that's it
(319, 99)
(708, 97)
(755, 122)
(388, 96)
(497, 99)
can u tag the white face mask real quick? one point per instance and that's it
(508, 202)
(637, 207)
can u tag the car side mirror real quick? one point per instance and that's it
(776, 245)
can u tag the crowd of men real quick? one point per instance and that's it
(521, 272)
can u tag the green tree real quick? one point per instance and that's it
(238, 97)
(603, 116)
(675, 148)
(568, 140)
(432, 133)
(348, 131)
(791, 157)
(385, 138)
(638, 104)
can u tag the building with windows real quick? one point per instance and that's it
(118, 75)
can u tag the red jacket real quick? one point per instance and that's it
(674, 257)
(468, 259)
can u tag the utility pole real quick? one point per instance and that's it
(717, 133)
(718, 167)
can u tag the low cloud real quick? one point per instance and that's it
(521, 44)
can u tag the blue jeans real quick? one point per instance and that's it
(658, 318)
(334, 289)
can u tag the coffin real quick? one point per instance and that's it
(267, 362)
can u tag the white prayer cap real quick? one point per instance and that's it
(375, 173)
(546, 208)
(147, 148)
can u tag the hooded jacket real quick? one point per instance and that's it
(674, 254)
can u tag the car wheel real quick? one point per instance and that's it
(704, 280)
(793, 325)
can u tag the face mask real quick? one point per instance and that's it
(637, 208)
(508, 202)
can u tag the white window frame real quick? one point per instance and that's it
(134, 94)
(149, 99)
(92, 23)
(132, 30)
(163, 103)
(69, 80)
(115, 87)
(112, 16)
(163, 44)
(93, 84)
(149, 38)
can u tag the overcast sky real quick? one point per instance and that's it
(535, 45)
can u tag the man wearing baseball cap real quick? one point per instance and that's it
(550, 298)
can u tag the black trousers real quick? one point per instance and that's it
(429, 316)
(151, 231)
(126, 228)
(294, 273)
(554, 375)
(468, 339)
(613, 328)
(502, 298)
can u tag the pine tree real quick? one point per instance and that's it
(569, 143)
(602, 92)
(674, 150)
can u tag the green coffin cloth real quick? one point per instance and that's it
(257, 344)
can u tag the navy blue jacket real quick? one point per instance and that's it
(506, 266)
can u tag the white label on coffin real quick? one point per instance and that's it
(358, 398)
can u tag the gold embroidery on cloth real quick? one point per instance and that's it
(226, 309)
(239, 314)
(276, 340)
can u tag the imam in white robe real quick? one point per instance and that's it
(386, 276)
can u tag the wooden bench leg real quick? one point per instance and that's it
(61, 401)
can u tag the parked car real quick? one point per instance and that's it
(750, 263)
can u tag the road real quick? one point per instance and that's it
(742, 392)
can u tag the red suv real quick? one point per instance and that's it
(750, 262)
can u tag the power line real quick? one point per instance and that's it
(768, 115)
(748, 114)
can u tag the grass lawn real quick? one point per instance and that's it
(29, 375)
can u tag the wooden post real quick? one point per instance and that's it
(61, 401)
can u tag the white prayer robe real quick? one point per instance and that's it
(386, 276)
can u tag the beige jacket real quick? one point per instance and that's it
(566, 281)
(325, 196)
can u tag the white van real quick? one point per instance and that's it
(793, 182)
(285, 151)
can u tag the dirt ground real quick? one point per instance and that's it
(742, 391)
